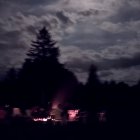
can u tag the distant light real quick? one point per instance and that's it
(17, 112)
(44, 119)
(72, 114)
(102, 116)
(41, 119)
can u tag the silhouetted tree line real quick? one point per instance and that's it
(42, 75)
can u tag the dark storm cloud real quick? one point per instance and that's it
(65, 19)
(91, 12)
(99, 39)
(128, 11)
(105, 74)
(79, 64)
(3, 46)
(105, 64)
(30, 2)
(120, 63)
(12, 36)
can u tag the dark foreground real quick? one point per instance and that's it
(21, 130)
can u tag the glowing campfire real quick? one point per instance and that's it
(42, 119)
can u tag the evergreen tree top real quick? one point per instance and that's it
(44, 46)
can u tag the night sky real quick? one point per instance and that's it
(103, 32)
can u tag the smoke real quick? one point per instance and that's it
(59, 99)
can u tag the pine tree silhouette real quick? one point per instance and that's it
(93, 79)
(44, 47)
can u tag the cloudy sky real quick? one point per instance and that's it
(103, 32)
